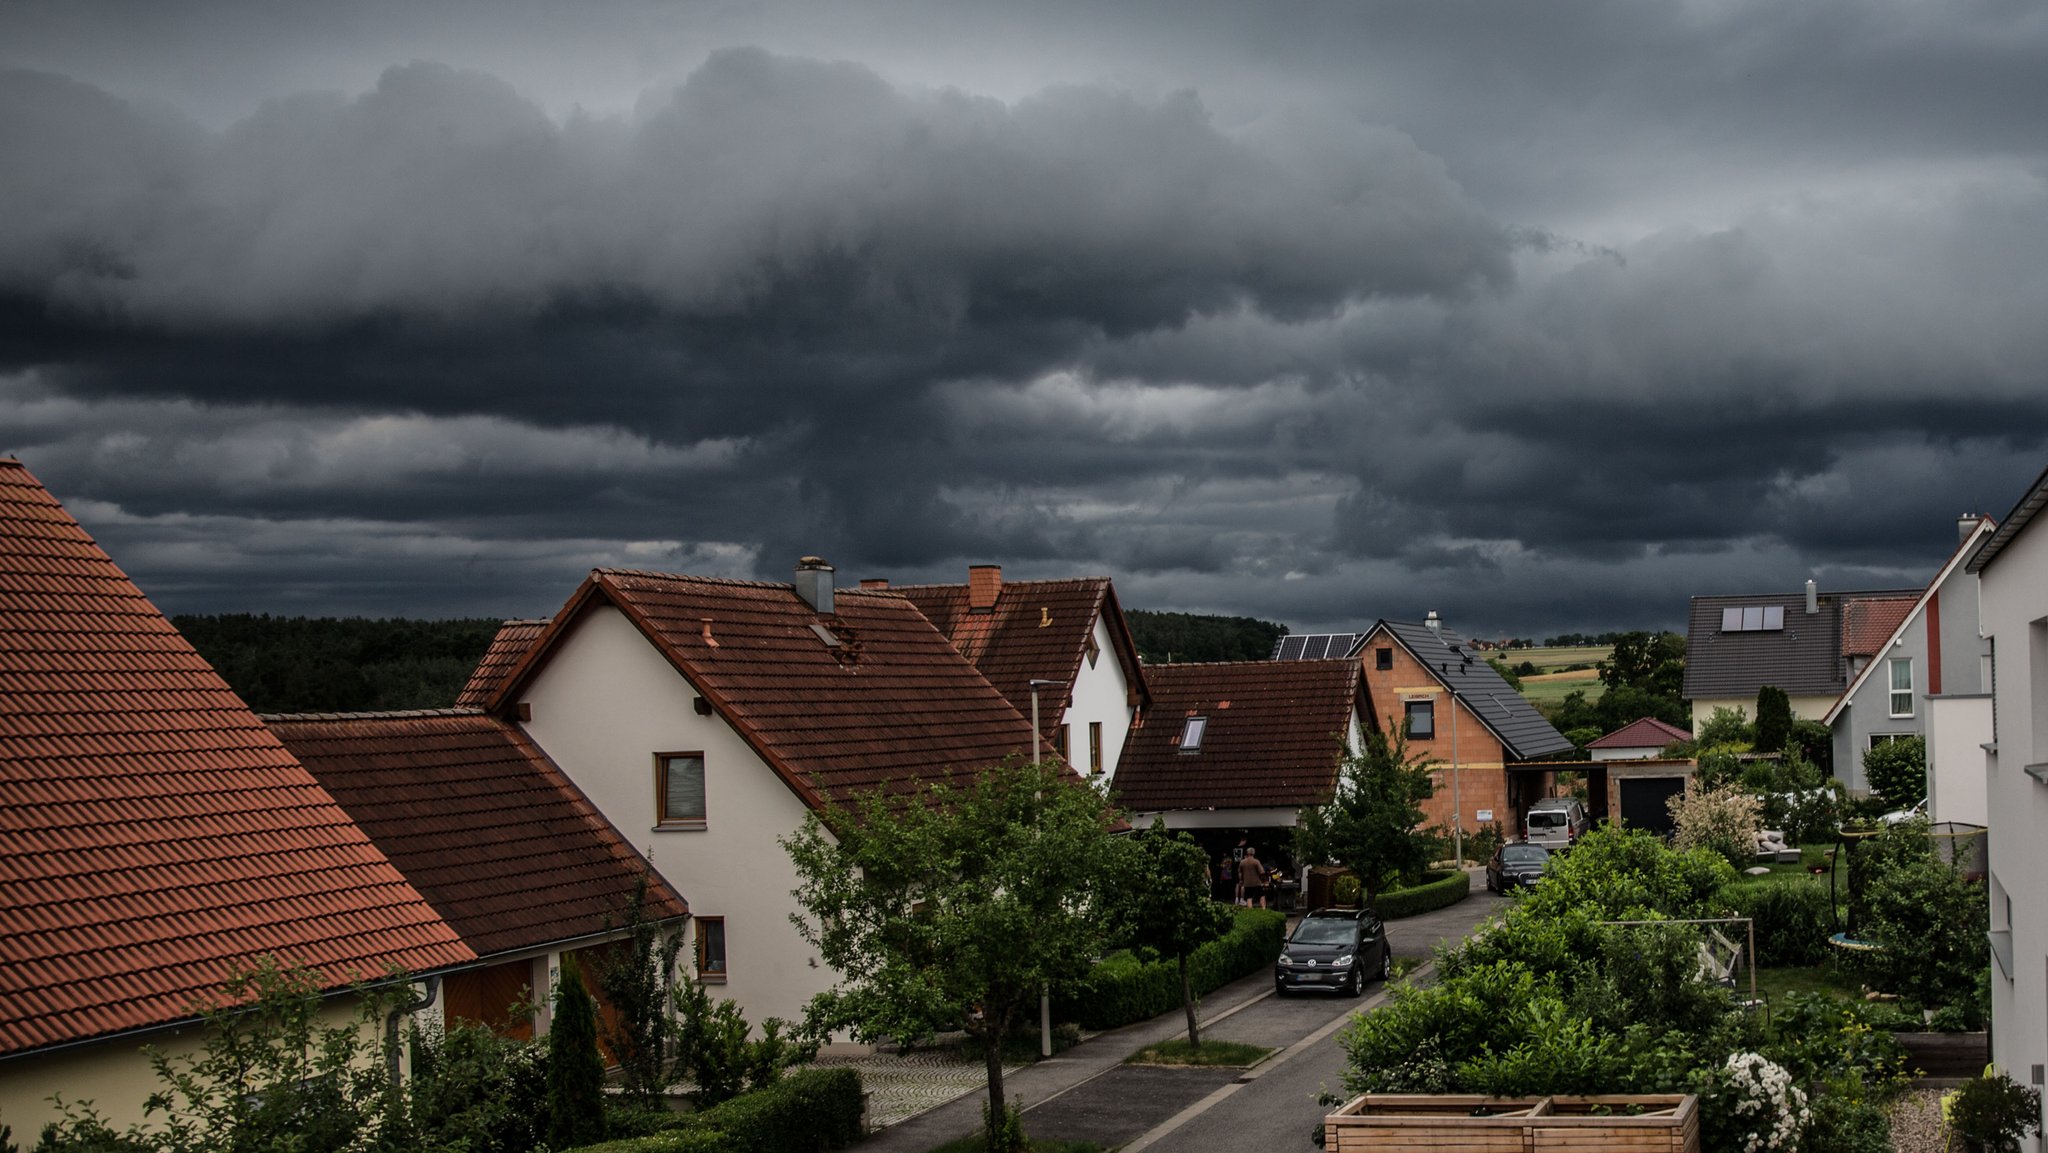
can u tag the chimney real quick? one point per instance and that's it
(984, 585)
(814, 583)
(1812, 598)
(1436, 624)
(1965, 525)
(873, 584)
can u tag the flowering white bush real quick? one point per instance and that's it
(1768, 1108)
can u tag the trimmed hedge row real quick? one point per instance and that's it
(1437, 891)
(807, 1109)
(1793, 919)
(1122, 989)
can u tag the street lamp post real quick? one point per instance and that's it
(1044, 994)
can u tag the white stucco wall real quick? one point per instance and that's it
(1957, 728)
(2015, 617)
(1803, 708)
(605, 704)
(1102, 694)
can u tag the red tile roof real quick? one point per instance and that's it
(1648, 733)
(153, 834)
(511, 643)
(482, 823)
(1038, 630)
(1868, 622)
(1274, 737)
(891, 704)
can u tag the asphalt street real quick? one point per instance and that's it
(1087, 1093)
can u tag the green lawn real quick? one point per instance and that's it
(1554, 692)
(1775, 983)
(1555, 659)
(1229, 1054)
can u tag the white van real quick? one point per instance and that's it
(1555, 822)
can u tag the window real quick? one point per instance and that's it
(1421, 720)
(1902, 687)
(1753, 618)
(1062, 738)
(679, 790)
(1094, 746)
(1094, 651)
(1191, 734)
(710, 948)
(1383, 659)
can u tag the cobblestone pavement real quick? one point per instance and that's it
(903, 1085)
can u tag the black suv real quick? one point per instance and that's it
(1335, 949)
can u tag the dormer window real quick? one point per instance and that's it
(1191, 734)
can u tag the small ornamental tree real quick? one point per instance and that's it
(575, 1067)
(1725, 820)
(952, 908)
(1372, 825)
(1163, 904)
(636, 975)
(1773, 718)
(1897, 770)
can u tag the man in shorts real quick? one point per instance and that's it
(1253, 873)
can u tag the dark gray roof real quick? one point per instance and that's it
(1315, 646)
(1804, 658)
(1480, 690)
(2015, 522)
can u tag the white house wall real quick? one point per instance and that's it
(1803, 708)
(1101, 694)
(604, 705)
(2015, 608)
(1957, 727)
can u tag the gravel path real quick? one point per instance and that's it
(1916, 1122)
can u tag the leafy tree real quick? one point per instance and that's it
(955, 908)
(575, 1067)
(1181, 637)
(1928, 920)
(476, 1091)
(1897, 770)
(1507, 674)
(1163, 907)
(719, 1051)
(1653, 662)
(1773, 718)
(1725, 727)
(1371, 825)
(1725, 820)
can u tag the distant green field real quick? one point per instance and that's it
(1552, 692)
(1552, 660)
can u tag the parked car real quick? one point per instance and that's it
(1516, 866)
(1555, 822)
(1334, 949)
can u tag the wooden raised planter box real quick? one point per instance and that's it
(1946, 1056)
(1649, 1123)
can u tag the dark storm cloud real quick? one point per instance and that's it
(1543, 318)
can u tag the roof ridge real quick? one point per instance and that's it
(690, 578)
(374, 714)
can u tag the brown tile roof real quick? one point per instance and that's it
(153, 834)
(1868, 622)
(482, 823)
(1647, 733)
(1804, 658)
(891, 704)
(1038, 630)
(1274, 736)
(511, 643)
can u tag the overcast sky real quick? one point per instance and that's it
(1546, 316)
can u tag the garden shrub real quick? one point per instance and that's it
(808, 1109)
(1437, 891)
(1725, 820)
(1121, 988)
(471, 1089)
(1793, 919)
(1993, 1112)
(1927, 920)
(669, 1141)
(1821, 1038)
(1897, 771)
(1627, 874)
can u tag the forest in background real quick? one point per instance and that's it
(1179, 638)
(346, 665)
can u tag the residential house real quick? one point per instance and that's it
(1640, 740)
(2012, 570)
(1490, 746)
(497, 839)
(1810, 646)
(1925, 678)
(155, 837)
(1234, 750)
(1066, 638)
(704, 718)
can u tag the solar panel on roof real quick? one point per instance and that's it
(1290, 648)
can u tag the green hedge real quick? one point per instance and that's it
(807, 1109)
(1793, 919)
(1122, 989)
(1437, 891)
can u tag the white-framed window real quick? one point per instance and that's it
(1902, 686)
(1420, 717)
(679, 790)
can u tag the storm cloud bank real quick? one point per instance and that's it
(429, 348)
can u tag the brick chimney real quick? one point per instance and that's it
(873, 584)
(984, 585)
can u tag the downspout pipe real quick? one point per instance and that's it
(433, 992)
